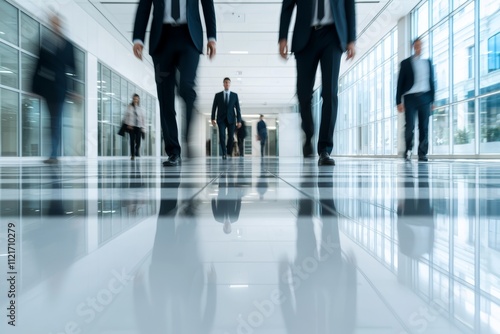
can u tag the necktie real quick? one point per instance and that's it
(176, 11)
(321, 9)
(226, 98)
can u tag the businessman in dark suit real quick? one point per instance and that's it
(175, 43)
(324, 29)
(226, 103)
(56, 60)
(414, 96)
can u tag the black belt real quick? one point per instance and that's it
(417, 94)
(321, 26)
(175, 25)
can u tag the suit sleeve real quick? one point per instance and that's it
(238, 110)
(141, 19)
(214, 107)
(399, 89)
(350, 10)
(286, 17)
(210, 21)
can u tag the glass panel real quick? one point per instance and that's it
(9, 66)
(79, 65)
(73, 139)
(440, 9)
(46, 148)
(124, 91)
(30, 34)
(490, 124)
(107, 140)
(464, 128)
(441, 63)
(387, 87)
(9, 111)
(31, 111)
(490, 46)
(422, 19)
(28, 67)
(106, 108)
(116, 86)
(117, 112)
(9, 24)
(106, 80)
(463, 53)
(458, 3)
(117, 142)
(440, 131)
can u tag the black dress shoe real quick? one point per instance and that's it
(224, 157)
(423, 158)
(173, 160)
(325, 160)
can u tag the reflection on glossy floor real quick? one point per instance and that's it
(251, 246)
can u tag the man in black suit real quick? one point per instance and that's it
(226, 103)
(324, 29)
(175, 43)
(414, 96)
(56, 60)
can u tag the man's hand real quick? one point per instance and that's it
(211, 48)
(351, 50)
(401, 107)
(283, 45)
(138, 47)
(214, 123)
(238, 125)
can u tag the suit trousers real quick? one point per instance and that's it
(417, 105)
(135, 141)
(241, 146)
(226, 149)
(55, 111)
(323, 47)
(175, 52)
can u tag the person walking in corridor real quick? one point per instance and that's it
(262, 134)
(134, 119)
(414, 96)
(227, 107)
(324, 29)
(175, 43)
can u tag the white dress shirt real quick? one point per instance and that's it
(167, 18)
(327, 19)
(421, 75)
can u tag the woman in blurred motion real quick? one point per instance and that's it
(134, 119)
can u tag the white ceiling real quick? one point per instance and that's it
(260, 77)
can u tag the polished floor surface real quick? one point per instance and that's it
(250, 245)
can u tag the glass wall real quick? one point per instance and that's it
(24, 119)
(467, 116)
(114, 94)
(366, 122)
(462, 37)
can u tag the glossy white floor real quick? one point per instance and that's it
(250, 245)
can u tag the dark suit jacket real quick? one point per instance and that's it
(343, 15)
(407, 77)
(193, 21)
(50, 80)
(226, 111)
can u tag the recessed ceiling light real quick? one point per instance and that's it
(238, 52)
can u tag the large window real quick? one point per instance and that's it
(366, 102)
(114, 94)
(24, 121)
(494, 53)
